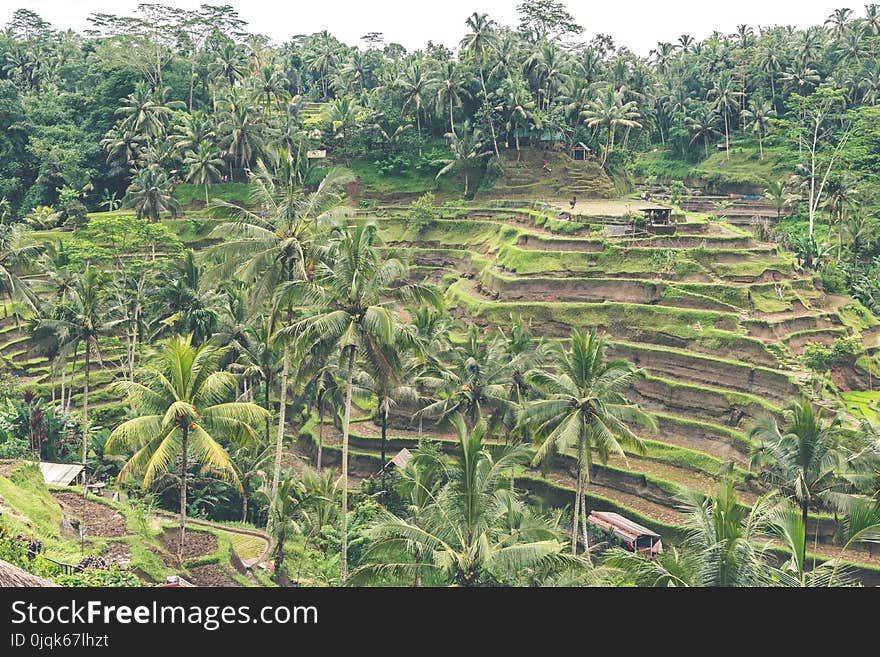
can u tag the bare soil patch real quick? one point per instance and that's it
(196, 543)
(211, 574)
(95, 518)
(7, 467)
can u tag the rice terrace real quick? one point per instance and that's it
(526, 309)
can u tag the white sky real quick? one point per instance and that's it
(638, 24)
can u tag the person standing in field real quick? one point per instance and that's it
(573, 202)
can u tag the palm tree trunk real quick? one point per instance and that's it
(244, 503)
(575, 519)
(279, 438)
(489, 112)
(85, 423)
(706, 144)
(184, 445)
(761, 145)
(384, 432)
(206, 196)
(266, 403)
(804, 511)
(343, 561)
(451, 119)
(63, 381)
(587, 472)
(419, 130)
(726, 137)
(320, 432)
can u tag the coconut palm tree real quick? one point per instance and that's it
(584, 406)
(415, 85)
(151, 193)
(702, 124)
(15, 252)
(726, 100)
(720, 549)
(467, 152)
(758, 117)
(804, 458)
(352, 296)
(450, 89)
(184, 411)
(611, 111)
(203, 166)
(384, 380)
(476, 46)
(840, 197)
(778, 194)
(463, 533)
(79, 322)
(270, 244)
(473, 381)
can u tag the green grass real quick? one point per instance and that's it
(412, 181)
(862, 403)
(743, 168)
(25, 492)
(230, 192)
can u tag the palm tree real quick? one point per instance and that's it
(758, 117)
(726, 99)
(472, 530)
(82, 319)
(183, 410)
(151, 193)
(467, 151)
(415, 85)
(203, 166)
(473, 382)
(702, 125)
(270, 85)
(476, 45)
(720, 548)
(777, 193)
(519, 107)
(146, 112)
(450, 90)
(584, 406)
(242, 131)
(269, 246)
(352, 296)
(384, 379)
(16, 251)
(610, 110)
(804, 459)
(839, 21)
(839, 198)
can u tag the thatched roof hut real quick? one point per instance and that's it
(13, 576)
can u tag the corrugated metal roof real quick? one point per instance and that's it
(60, 474)
(624, 523)
(401, 458)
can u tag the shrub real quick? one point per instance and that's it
(422, 213)
(820, 358)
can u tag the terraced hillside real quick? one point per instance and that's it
(716, 319)
(526, 176)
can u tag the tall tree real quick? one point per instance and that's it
(584, 406)
(477, 45)
(184, 410)
(352, 297)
